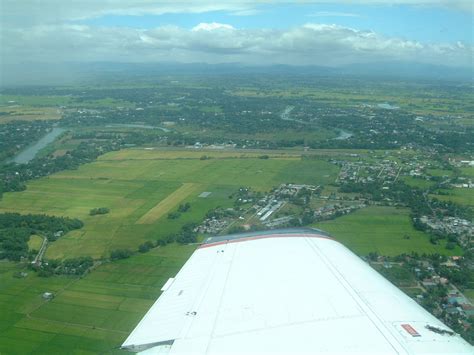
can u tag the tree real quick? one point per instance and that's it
(100, 210)
(174, 215)
(143, 248)
(450, 245)
(120, 254)
(184, 207)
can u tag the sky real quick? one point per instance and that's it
(325, 33)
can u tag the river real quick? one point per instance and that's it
(30, 152)
(285, 115)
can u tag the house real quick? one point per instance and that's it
(48, 296)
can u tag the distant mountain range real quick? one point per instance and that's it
(47, 74)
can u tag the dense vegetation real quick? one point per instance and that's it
(16, 135)
(99, 210)
(73, 266)
(16, 229)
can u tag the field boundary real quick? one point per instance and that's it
(164, 206)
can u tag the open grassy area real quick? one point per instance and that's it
(469, 293)
(133, 187)
(168, 203)
(94, 314)
(439, 172)
(467, 172)
(308, 133)
(11, 113)
(160, 154)
(34, 100)
(35, 242)
(88, 315)
(382, 230)
(415, 182)
(462, 196)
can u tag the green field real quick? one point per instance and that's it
(95, 313)
(35, 242)
(28, 113)
(381, 230)
(432, 103)
(133, 183)
(52, 101)
(469, 293)
(88, 315)
(467, 172)
(309, 133)
(439, 172)
(462, 196)
(414, 182)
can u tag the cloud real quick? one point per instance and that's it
(462, 5)
(27, 12)
(30, 12)
(309, 44)
(212, 27)
(332, 14)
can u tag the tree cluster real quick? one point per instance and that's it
(99, 210)
(16, 229)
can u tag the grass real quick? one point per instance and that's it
(168, 203)
(382, 230)
(467, 172)
(309, 133)
(50, 101)
(33, 100)
(462, 196)
(469, 293)
(431, 103)
(398, 275)
(412, 291)
(155, 154)
(35, 242)
(415, 182)
(134, 189)
(88, 315)
(210, 109)
(28, 113)
(439, 172)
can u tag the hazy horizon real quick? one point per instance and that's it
(327, 33)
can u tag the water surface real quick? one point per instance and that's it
(30, 152)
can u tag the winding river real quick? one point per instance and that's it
(30, 152)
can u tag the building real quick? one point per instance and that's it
(291, 291)
(48, 295)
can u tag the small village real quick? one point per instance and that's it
(429, 280)
(461, 229)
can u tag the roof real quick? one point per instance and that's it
(286, 291)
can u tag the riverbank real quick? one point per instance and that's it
(30, 152)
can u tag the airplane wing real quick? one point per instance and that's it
(289, 291)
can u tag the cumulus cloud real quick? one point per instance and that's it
(212, 26)
(309, 44)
